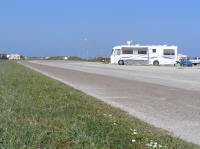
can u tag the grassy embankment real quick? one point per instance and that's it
(38, 112)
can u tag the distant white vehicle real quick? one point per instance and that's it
(65, 58)
(195, 61)
(182, 56)
(138, 54)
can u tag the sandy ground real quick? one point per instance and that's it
(166, 97)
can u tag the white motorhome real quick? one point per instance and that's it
(142, 54)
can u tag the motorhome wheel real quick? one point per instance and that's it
(121, 62)
(156, 63)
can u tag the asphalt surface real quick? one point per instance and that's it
(165, 97)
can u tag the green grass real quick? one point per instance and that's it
(38, 112)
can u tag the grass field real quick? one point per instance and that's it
(38, 112)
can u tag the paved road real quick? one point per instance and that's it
(166, 97)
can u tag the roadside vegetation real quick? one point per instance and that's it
(39, 112)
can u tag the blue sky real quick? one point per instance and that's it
(59, 27)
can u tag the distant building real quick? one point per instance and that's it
(3, 56)
(14, 57)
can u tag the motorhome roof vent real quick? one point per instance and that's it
(129, 42)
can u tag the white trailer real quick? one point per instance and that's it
(149, 55)
(195, 61)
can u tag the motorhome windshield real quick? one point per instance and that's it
(116, 52)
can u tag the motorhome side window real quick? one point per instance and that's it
(127, 51)
(142, 52)
(154, 50)
(169, 52)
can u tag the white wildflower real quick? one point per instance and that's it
(155, 146)
(160, 146)
(149, 145)
(133, 140)
(151, 142)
